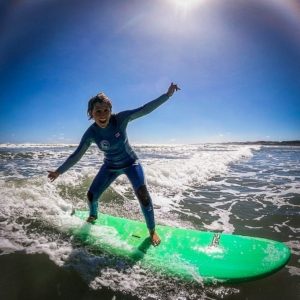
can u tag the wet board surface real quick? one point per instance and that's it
(185, 253)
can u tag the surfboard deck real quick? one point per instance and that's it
(185, 253)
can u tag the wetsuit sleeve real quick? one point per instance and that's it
(77, 154)
(129, 115)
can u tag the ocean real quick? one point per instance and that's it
(242, 189)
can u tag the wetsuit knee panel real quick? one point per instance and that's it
(143, 195)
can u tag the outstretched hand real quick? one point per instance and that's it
(172, 88)
(52, 175)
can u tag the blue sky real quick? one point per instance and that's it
(237, 63)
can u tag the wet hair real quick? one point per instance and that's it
(99, 98)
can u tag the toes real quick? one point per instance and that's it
(91, 220)
(155, 242)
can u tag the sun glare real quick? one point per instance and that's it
(184, 7)
(185, 4)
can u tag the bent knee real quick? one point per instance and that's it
(143, 195)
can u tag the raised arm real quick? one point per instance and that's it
(130, 115)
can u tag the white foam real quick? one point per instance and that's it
(8, 246)
(294, 271)
(195, 168)
(294, 245)
(173, 173)
(178, 168)
(32, 145)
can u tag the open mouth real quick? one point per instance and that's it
(102, 122)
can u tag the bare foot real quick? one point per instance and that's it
(154, 238)
(91, 219)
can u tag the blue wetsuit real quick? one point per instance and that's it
(119, 157)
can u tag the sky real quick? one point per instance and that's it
(237, 63)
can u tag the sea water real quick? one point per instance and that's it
(242, 189)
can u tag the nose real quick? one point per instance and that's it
(102, 114)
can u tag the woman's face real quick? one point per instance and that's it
(101, 114)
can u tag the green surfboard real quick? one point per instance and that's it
(188, 254)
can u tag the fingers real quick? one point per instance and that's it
(52, 175)
(52, 178)
(174, 87)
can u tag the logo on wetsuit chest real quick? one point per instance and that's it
(104, 145)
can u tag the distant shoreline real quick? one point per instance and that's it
(267, 143)
(263, 143)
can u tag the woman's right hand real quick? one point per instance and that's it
(52, 175)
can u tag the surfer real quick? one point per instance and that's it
(109, 133)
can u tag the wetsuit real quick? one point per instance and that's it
(119, 158)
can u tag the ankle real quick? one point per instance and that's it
(152, 231)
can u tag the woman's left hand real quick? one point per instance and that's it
(172, 88)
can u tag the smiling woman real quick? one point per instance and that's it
(109, 133)
(99, 109)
